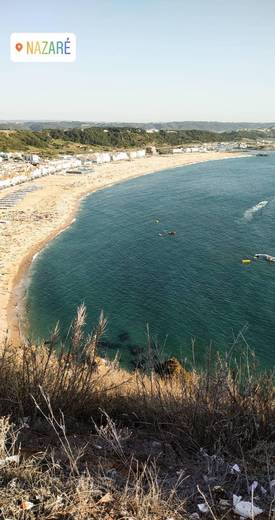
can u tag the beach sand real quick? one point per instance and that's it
(26, 227)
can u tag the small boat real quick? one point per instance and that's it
(260, 205)
(168, 234)
(263, 256)
(261, 154)
(246, 261)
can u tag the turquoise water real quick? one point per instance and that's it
(189, 285)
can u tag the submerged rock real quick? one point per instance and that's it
(124, 336)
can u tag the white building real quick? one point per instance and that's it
(152, 131)
(32, 158)
(141, 153)
(100, 158)
(120, 156)
(133, 154)
(137, 154)
(5, 155)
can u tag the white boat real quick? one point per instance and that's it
(261, 205)
(263, 256)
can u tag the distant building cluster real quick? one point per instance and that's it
(31, 158)
(106, 157)
(17, 167)
(13, 172)
(152, 131)
(212, 147)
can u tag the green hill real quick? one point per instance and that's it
(75, 140)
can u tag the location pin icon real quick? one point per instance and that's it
(19, 47)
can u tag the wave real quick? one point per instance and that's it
(35, 256)
(249, 213)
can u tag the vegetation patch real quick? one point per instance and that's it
(82, 438)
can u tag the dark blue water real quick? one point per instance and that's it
(189, 285)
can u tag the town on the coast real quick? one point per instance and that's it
(17, 167)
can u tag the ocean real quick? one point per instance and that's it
(187, 288)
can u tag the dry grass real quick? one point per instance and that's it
(45, 486)
(169, 440)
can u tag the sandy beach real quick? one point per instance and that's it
(41, 214)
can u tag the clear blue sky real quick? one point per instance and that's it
(144, 60)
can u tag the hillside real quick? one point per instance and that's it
(37, 142)
(75, 140)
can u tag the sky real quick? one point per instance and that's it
(144, 60)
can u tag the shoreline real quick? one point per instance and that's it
(18, 292)
(12, 305)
